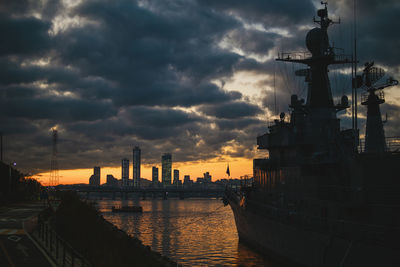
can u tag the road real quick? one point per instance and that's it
(16, 248)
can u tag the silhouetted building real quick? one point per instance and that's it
(166, 166)
(95, 178)
(200, 180)
(176, 177)
(111, 181)
(207, 177)
(136, 166)
(96, 171)
(155, 176)
(125, 172)
(186, 181)
(186, 178)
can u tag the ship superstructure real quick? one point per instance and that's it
(317, 199)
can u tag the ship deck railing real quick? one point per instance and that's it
(294, 55)
(392, 144)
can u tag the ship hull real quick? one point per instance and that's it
(295, 246)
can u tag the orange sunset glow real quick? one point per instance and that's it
(237, 167)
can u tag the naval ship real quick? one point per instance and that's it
(322, 196)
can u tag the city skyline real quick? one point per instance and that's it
(176, 174)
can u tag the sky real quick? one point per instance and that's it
(191, 78)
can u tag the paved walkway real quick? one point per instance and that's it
(16, 248)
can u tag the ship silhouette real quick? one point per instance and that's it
(323, 197)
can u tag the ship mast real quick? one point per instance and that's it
(322, 55)
(319, 108)
(372, 97)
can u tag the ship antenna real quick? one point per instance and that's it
(355, 62)
(275, 110)
(355, 65)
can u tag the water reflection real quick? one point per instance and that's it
(194, 232)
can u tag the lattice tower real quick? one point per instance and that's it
(54, 177)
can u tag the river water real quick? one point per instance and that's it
(193, 232)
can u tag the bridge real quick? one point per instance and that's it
(147, 192)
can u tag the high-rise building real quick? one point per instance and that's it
(186, 181)
(186, 178)
(95, 178)
(111, 181)
(96, 171)
(176, 177)
(136, 167)
(207, 177)
(125, 172)
(155, 176)
(166, 166)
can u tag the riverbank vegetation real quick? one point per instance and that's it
(15, 187)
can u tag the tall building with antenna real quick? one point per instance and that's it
(95, 178)
(125, 172)
(166, 166)
(155, 176)
(136, 166)
(54, 177)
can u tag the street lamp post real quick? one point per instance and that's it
(10, 178)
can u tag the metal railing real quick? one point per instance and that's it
(392, 144)
(294, 55)
(59, 250)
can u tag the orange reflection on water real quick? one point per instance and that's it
(194, 232)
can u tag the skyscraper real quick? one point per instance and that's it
(155, 176)
(96, 171)
(186, 181)
(166, 166)
(176, 177)
(95, 178)
(125, 172)
(136, 167)
(207, 177)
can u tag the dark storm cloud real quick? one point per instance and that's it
(153, 59)
(23, 35)
(173, 94)
(383, 46)
(124, 73)
(46, 8)
(231, 110)
(241, 123)
(158, 117)
(376, 23)
(273, 13)
(253, 41)
(61, 109)
(140, 121)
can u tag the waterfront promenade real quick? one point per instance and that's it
(16, 246)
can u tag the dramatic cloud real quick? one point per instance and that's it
(231, 110)
(194, 78)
